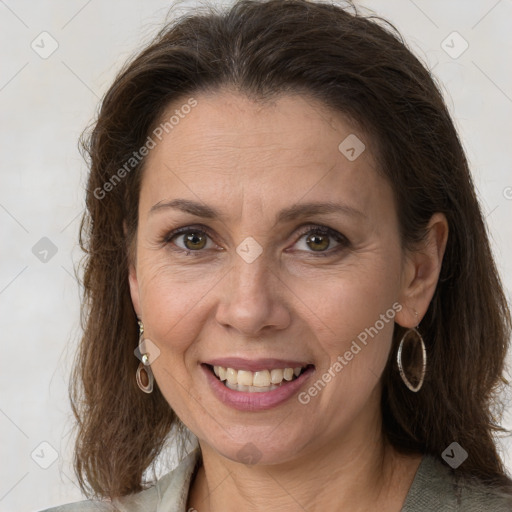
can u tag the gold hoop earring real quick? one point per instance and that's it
(407, 382)
(144, 375)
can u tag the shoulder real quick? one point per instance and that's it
(475, 496)
(170, 491)
(438, 487)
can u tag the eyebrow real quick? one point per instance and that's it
(288, 214)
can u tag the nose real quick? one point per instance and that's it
(253, 299)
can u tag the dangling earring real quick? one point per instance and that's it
(407, 382)
(144, 375)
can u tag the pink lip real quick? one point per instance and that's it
(245, 401)
(255, 365)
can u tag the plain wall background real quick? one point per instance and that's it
(46, 103)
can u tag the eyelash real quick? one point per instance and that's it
(310, 228)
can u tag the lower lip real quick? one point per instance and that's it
(245, 401)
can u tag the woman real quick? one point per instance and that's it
(286, 258)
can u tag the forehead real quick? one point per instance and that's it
(232, 151)
(292, 124)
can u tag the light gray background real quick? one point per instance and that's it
(45, 104)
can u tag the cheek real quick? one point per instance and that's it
(346, 302)
(356, 347)
(353, 322)
(173, 303)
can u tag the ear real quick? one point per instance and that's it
(132, 278)
(420, 273)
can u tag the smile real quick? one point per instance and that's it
(255, 382)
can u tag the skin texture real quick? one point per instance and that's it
(249, 161)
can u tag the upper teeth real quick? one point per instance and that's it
(263, 378)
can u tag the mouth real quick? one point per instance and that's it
(260, 381)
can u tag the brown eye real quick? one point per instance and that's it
(189, 239)
(321, 241)
(194, 240)
(318, 242)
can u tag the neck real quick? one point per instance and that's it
(358, 471)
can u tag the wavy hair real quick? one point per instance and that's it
(356, 65)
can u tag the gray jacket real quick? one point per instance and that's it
(435, 488)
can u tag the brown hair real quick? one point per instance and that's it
(357, 66)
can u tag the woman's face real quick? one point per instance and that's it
(257, 283)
